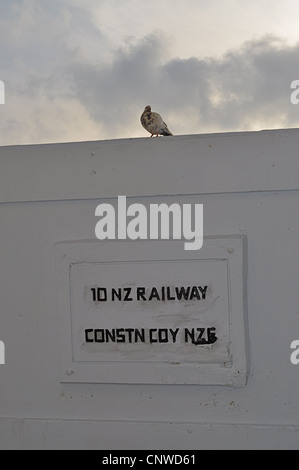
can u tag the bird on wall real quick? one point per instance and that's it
(154, 123)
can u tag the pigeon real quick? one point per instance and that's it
(154, 123)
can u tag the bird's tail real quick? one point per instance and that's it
(166, 132)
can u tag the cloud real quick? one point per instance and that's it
(113, 94)
(246, 89)
(64, 81)
(40, 42)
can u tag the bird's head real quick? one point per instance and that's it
(147, 109)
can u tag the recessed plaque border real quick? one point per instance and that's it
(232, 249)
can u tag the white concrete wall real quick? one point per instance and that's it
(249, 184)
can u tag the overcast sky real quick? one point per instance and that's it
(78, 70)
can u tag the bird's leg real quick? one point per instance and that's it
(152, 135)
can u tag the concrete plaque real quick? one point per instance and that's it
(149, 312)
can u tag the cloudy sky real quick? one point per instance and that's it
(78, 70)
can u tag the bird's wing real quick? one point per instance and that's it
(154, 124)
(157, 119)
